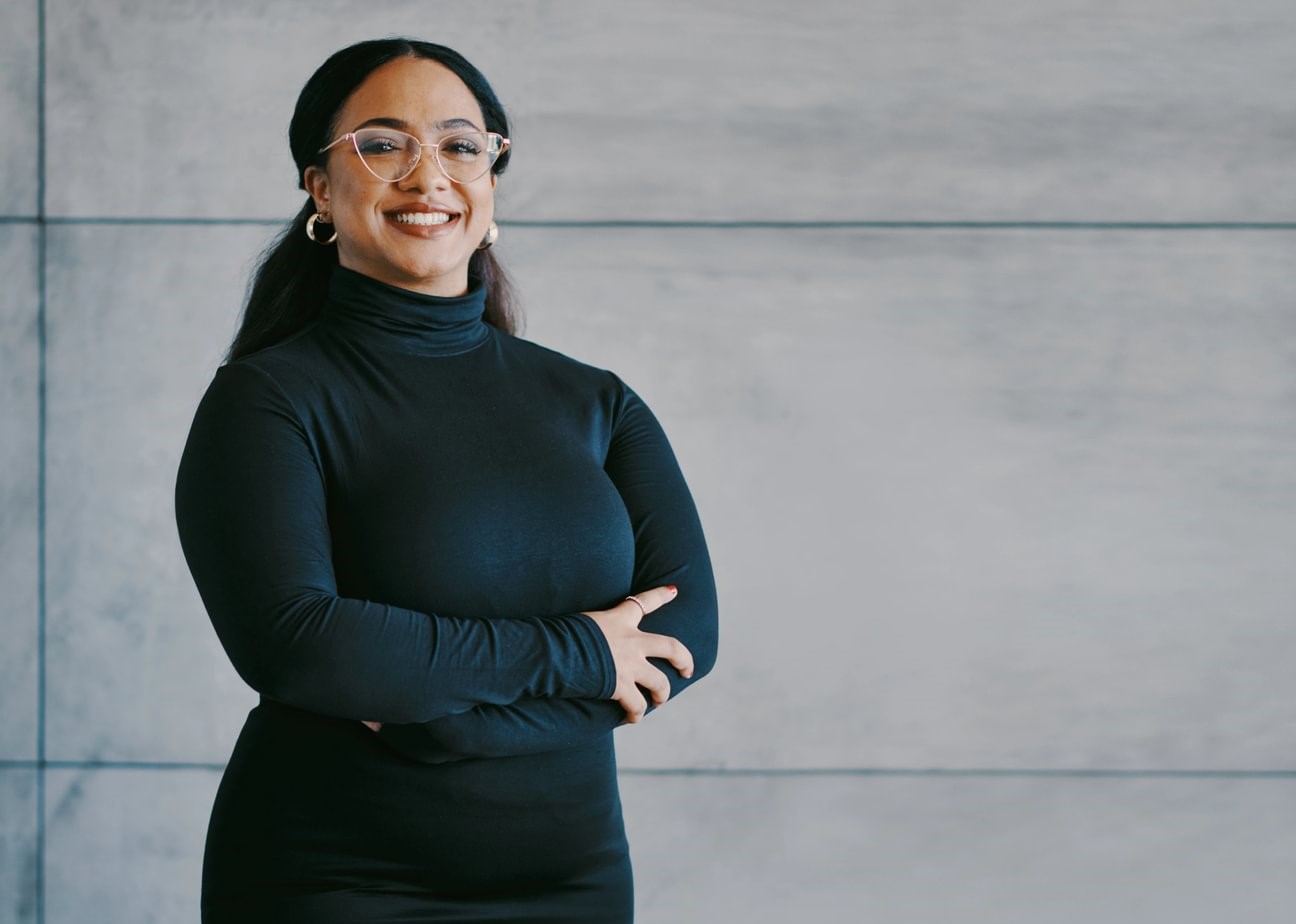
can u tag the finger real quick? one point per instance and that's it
(656, 683)
(672, 650)
(633, 703)
(635, 608)
(656, 597)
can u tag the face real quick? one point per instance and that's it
(425, 99)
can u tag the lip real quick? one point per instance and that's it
(423, 231)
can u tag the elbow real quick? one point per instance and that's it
(273, 656)
(704, 646)
(303, 685)
(276, 677)
(704, 660)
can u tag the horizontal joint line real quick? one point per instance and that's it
(974, 772)
(705, 224)
(963, 772)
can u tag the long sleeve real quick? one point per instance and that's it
(252, 516)
(670, 548)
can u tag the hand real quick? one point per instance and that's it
(372, 725)
(631, 649)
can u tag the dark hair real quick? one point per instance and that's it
(291, 278)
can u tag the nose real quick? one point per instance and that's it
(426, 174)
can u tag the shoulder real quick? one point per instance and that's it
(560, 366)
(286, 373)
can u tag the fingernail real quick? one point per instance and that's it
(672, 588)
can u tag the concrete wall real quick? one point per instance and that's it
(975, 332)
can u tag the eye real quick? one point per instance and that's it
(461, 147)
(375, 143)
(378, 144)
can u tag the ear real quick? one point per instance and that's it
(317, 185)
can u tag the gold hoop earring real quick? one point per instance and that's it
(492, 235)
(310, 229)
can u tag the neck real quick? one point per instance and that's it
(405, 320)
(447, 285)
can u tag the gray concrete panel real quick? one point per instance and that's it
(1031, 494)
(125, 845)
(138, 320)
(19, 489)
(975, 500)
(917, 850)
(20, 139)
(18, 845)
(1166, 110)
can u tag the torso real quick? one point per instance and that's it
(464, 484)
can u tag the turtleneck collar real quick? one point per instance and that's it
(383, 315)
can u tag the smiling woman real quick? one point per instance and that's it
(290, 285)
(418, 226)
(449, 560)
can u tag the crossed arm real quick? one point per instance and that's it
(251, 512)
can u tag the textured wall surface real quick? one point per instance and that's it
(974, 328)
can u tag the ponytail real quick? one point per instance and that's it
(287, 288)
(502, 309)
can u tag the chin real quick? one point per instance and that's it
(453, 278)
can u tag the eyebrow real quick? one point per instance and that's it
(404, 126)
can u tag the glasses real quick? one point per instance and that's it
(392, 155)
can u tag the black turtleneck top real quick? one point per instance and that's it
(399, 514)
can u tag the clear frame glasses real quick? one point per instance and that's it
(392, 155)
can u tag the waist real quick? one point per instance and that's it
(323, 799)
(317, 744)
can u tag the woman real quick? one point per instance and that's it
(417, 537)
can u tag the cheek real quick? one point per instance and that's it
(483, 206)
(353, 199)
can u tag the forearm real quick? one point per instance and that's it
(364, 660)
(534, 725)
(529, 726)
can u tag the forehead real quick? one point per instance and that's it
(415, 90)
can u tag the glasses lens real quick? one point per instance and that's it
(466, 156)
(389, 154)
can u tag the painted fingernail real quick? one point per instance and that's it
(672, 588)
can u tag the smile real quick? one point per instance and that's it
(422, 218)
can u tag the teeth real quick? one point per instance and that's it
(422, 218)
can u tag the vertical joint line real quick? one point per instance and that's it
(41, 260)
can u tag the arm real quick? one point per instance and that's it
(669, 549)
(252, 515)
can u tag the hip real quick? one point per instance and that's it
(310, 803)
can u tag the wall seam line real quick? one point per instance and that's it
(42, 245)
(774, 772)
(671, 224)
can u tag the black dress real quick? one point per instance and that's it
(398, 514)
